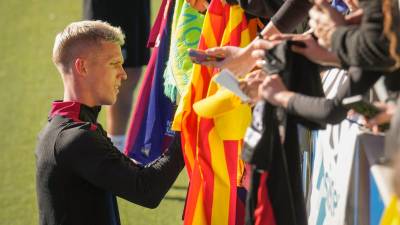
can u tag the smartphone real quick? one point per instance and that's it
(200, 56)
(359, 105)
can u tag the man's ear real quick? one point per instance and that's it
(80, 66)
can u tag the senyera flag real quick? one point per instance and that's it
(212, 122)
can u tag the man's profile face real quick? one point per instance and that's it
(105, 72)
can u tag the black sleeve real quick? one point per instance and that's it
(291, 13)
(96, 160)
(365, 45)
(322, 110)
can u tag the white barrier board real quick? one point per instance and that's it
(334, 153)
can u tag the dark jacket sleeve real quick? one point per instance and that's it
(96, 160)
(322, 110)
(291, 13)
(365, 45)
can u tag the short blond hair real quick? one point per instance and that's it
(78, 35)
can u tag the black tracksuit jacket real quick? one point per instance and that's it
(79, 171)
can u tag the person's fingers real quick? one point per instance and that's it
(258, 54)
(299, 50)
(354, 17)
(275, 77)
(251, 75)
(301, 37)
(209, 63)
(322, 42)
(327, 9)
(261, 75)
(313, 25)
(381, 118)
(264, 73)
(218, 51)
(319, 2)
(242, 84)
(215, 64)
(246, 91)
(264, 44)
(261, 63)
(282, 37)
(315, 14)
(375, 129)
(254, 82)
(308, 32)
(266, 80)
(323, 4)
(259, 44)
(319, 31)
(371, 122)
(257, 75)
(380, 105)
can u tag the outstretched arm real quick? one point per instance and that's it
(96, 160)
(318, 109)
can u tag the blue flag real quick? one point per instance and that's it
(149, 133)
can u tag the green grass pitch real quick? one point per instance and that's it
(28, 84)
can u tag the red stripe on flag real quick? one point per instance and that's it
(231, 159)
(192, 196)
(202, 43)
(236, 33)
(206, 77)
(217, 14)
(189, 133)
(205, 126)
(263, 213)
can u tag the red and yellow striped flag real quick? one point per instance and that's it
(185, 118)
(212, 124)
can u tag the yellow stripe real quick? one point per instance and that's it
(227, 35)
(221, 196)
(199, 214)
(208, 32)
(235, 16)
(240, 165)
(245, 38)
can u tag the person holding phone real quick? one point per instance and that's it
(286, 18)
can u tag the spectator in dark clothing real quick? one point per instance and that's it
(364, 45)
(360, 79)
(79, 170)
(316, 109)
(322, 110)
(355, 40)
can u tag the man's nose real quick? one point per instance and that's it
(124, 75)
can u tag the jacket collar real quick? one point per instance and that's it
(75, 111)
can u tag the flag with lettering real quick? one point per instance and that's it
(149, 133)
(185, 34)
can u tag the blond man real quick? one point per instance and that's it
(79, 171)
